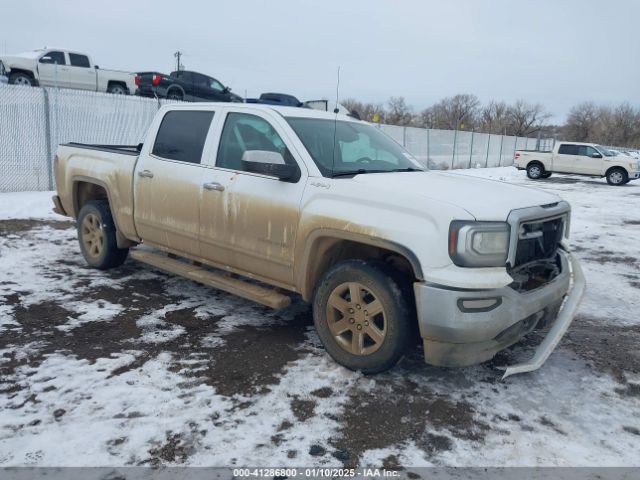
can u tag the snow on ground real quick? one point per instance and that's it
(135, 367)
(27, 205)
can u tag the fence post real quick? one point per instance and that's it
(455, 138)
(404, 136)
(486, 161)
(500, 157)
(471, 149)
(47, 137)
(428, 148)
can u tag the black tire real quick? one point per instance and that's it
(382, 283)
(20, 78)
(99, 250)
(174, 94)
(535, 171)
(117, 89)
(546, 175)
(617, 177)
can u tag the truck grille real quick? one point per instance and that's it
(536, 260)
(538, 240)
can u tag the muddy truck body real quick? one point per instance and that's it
(265, 202)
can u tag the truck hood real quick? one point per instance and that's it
(17, 61)
(489, 200)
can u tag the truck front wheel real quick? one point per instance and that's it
(535, 171)
(617, 177)
(97, 236)
(362, 313)
(21, 79)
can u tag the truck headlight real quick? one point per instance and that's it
(479, 244)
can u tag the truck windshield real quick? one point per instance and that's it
(604, 151)
(359, 147)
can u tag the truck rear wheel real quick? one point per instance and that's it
(97, 236)
(362, 313)
(535, 171)
(617, 177)
(117, 89)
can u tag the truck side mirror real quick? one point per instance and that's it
(97, 67)
(270, 163)
(596, 155)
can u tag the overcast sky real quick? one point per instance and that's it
(558, 52)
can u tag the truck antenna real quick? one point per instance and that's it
(335, 121)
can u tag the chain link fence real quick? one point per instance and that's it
(33, 121)
(450, 149)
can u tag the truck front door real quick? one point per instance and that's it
(168, 182)
(53, 70)
(255, 231)
(586, 163)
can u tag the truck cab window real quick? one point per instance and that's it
(53, 58)
(586, 151)
(79, 60)
(243, 132)
(182, 135)
(568, 149)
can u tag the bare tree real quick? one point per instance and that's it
(582, 122)
(365, 110)
(399, 113)
(453, 113)
(494, 117)
(526, 118)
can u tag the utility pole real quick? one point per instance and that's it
(179, 65)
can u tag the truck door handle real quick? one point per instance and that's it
(214, 186)
(145, 174)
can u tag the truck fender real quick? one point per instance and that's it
(309, 270)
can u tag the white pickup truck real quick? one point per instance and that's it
(265, 201)
(65, 69)
(578, 159)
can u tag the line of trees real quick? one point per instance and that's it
(586, 122)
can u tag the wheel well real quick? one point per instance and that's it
(111, 83)
(85, 192)
(176, 89)
(329, 251)
(617, 167)
(536, 162)
(29, 73)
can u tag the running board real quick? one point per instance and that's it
(265, 296)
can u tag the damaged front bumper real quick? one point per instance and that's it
(466, 327)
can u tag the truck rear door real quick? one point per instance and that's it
(564, 159)
(81, 74)
(168, 181)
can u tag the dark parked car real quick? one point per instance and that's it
(277, 99)
(3, 74)
(184, 85)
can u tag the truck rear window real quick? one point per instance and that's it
(182, 134)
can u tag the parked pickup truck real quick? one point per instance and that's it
(578, 159)
(65, 69)
(184, 85)
(256, 200)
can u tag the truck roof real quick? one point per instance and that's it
(282, 110)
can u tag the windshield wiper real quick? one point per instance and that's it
(408, 169)
(355, 172)
(363, 170)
